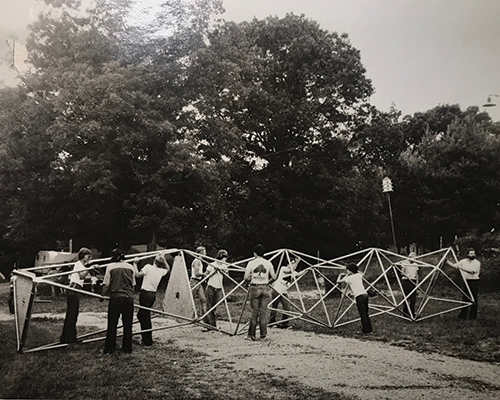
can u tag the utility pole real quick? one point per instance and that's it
(387, 189)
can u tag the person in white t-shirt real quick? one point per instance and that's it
(259, 272)
(355, 281)
(152, 275)
(214, 285)
(287, 274)
(409, 280)
(196, 281)
(80, 271)
(470, 268)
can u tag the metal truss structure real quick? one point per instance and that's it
(313, 297)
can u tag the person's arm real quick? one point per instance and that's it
(210, 270)
(299, 274)
(223, 266)
(105, 282)
(470, 270)
(80, 269)
(341, 277)
(294, 263)
(138, 273)
(248, 275)
(272, 274)
(83, 273)
(167, 266)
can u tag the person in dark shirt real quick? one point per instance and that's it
(118, 284)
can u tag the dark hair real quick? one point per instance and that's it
(352, 267)
(117, 255)
(259, 249)
(83, 252)
(471, 249)
(221, 254)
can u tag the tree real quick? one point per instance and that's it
(454, 180)
(94, 131)
(268, 94)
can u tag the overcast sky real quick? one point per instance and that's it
(418, 53)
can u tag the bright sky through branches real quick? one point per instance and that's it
(419, 54)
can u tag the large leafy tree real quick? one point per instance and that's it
(96, 126)
(269, 95)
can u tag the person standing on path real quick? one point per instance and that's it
(259, 272)
(470, 268)
(118, 283)
(196, 283)
(76, 279)
(354, 279)
(214, 285)
(152, 275)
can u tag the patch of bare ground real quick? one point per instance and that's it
(352, 367)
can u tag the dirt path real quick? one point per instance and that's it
(364, 369)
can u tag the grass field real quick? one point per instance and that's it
(168, 372)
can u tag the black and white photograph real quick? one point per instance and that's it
(267, 199)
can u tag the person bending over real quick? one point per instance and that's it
(354, 279)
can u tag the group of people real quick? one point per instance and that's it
(262, 284)
(469, 268)
(120, 280)
(119, 284)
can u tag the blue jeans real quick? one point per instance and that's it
(285, 303)
(408, 286)
(362, 304)
(213, 297)
(260, 295)
(470, 311)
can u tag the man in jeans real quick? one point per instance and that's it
(196, 282)
(354, 279)
(214, 285)
(259, 272)
(118, 283)
(152, 276)
(470, 268)
(80, 271)
(409, 280)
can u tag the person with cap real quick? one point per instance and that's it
(118, 283)
(80, 271)
(215, 272)
(152, 275)
(354, 279)
(469, 268)
(259, 273)
(196, 279)
(409, 280)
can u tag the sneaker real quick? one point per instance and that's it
(252, 338)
